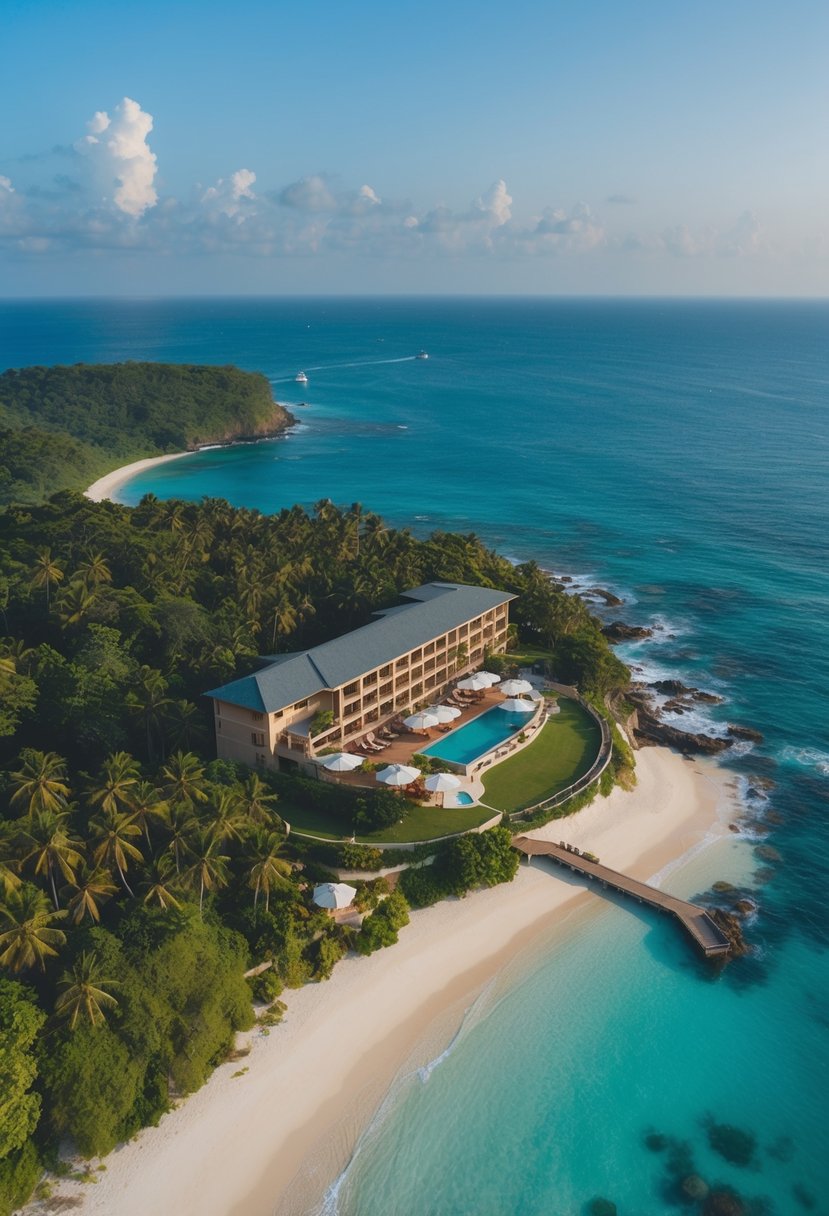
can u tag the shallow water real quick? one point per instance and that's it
(677, 453)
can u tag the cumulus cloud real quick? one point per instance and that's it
(308, 194)
(118, 152)
(229, 197)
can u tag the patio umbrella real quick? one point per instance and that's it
(398, 774)
(342, 762)
(440, 783)
(334, 895)
(476, 683)
(422, 720)
(513, 688)
(490, 676)
(444, 713)
(513, 705)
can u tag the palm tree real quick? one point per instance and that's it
(95, 570)
(27, 938)
(148, 700)
(256, 802)
(160, 886)
(225, 820)
(180, 823)
(51, 850)
(44, 573)
(87, 890)
(184, 774)
(41, 782)
(284, 617)
(117, 780)
(74, 603)
(209, 867)
(184, 723)
(9, 858)
(111, 836)
(82, 993)
(147, 806)
(267, 868)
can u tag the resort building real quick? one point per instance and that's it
(352, 685)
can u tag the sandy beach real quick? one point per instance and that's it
(236, 1145)
(107, 486)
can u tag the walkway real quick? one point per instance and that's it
(706, 935)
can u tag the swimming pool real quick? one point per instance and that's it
(477, 737)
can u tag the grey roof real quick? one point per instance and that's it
(431, 610)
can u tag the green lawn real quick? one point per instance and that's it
(422, 823)
(562, 752)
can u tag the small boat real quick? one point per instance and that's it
(421, 355)
(301, 378)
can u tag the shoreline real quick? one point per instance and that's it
(107, 486)
(237, 1148)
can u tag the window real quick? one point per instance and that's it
(257, 738)
(257, 717)
(300, 704)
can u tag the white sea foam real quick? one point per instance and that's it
(808, 757)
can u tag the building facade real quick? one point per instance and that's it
(352, 685)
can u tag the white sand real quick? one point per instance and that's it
(234, 1147)
(106, 487)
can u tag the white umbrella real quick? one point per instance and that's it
(476, 683)
(422, 720)
(342, 762)
(513, 688)
(398, 774)
(490, 676)
(444, 713)
(441, 782)
(334, 895)
(515, 706)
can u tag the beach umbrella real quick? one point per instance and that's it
(342, 762)
(334, 895)
(445, 713)
(514, 688)
(490, 676)
(513, 705)
(441, 783)
(398, 774)
(422, 720)
(476, 683)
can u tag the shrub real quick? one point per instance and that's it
(266, 986)
(381, 928)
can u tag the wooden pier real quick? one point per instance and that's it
(704, 933)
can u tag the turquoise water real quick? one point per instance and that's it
(468, 742)
(678, 454)
(464, 799)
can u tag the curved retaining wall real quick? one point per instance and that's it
(593, 773)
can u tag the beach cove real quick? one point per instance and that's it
(237, 1146)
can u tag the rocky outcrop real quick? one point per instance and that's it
(731, 926)
(675, 688)
(618, 631)
(652, 730)
(609, 598)
(745, 732)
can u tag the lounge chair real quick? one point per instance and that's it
(374, 742)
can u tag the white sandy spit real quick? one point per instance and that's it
(108, 486)
(232, 1148)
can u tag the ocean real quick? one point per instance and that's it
(676, 453)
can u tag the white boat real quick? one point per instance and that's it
(301, 378)
(421, 355)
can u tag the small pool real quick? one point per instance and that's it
(477, 737)
(464, 799)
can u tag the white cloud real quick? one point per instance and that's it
(494, 206)
(118, 151)
(308, 194)
(229, 197)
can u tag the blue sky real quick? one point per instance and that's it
(631, 148)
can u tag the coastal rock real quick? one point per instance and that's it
(766, 853)
(676, 688)
(732, 1143)
(656, 1142)
(745, 732)
(745, 907)
(618, 631)
(723, 1202)
(650, 729)
(723, 888)
(695, 1187)
(609, 598)
(675, 706)
(706, 698)
(804, 1196)
(601, 1207)
(730, 924)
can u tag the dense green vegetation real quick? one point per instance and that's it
(466, 863)
(562, 752)
(62, 427)
(138, 877)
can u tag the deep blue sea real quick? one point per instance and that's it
(677, 453)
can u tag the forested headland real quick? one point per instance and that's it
(140, 877)
(63, 427)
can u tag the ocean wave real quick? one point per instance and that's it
(808, 757)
